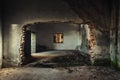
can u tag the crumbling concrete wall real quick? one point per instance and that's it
(114, 34)
(95, 43)
(102, 44)
(22, 12)
(118, 57)
(99, 15)
(85, 38)
(113, 46)
(101, 55)
(118, 36)
(11, 44)
(0, 41)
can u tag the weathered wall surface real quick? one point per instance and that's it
(118, 35)
(97, 12)
(118, 57)
(113, 46)
(102, 44)
(71, 35)
(115, 34)
(99, 51)
(75, 39)
(21, 12)
(95, 42)
(0, 40)
(11, 44)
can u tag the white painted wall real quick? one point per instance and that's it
(33, 42)
(71, 35)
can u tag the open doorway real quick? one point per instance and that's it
(58, 43)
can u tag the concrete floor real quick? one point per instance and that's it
(59, 58)
(68, 73)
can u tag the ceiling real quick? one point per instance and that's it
(97, 12)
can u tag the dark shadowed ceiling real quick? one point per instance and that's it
(95, 11)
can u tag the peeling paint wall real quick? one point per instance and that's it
(22, 12)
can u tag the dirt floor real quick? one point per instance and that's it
(66, 73)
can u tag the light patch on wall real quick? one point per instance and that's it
(14, 26)
(58, 38)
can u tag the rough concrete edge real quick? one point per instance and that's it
(0, 43)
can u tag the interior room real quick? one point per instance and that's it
(48, 41)
(59, 40)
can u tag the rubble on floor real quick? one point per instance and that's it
(60, 73)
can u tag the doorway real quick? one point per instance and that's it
(40, 43)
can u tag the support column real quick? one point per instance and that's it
(118, 33)
(22, 46)
(25, 47)
(1, 42)
(114, 53)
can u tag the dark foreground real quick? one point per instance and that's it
(67, 73)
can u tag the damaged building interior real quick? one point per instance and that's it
(60, 40)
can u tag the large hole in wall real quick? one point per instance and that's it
(56, 43)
